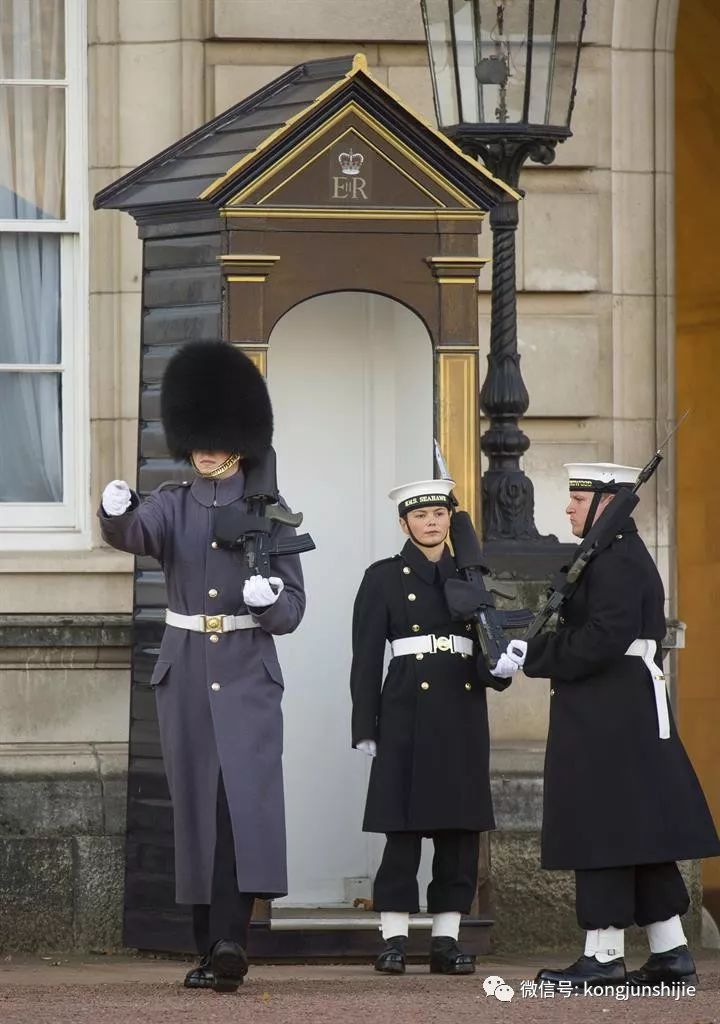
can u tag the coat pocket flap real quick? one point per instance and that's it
(273, 667)
(159, 672)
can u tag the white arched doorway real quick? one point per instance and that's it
(351, 380)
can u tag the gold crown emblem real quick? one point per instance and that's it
(350, 163)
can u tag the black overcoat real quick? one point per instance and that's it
(218, 696)
(431, 771)
(615, 793)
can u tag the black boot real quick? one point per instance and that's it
(446, 957)
(586, 970)
(672, 967)
(229, 965)
(200, 976)
(392, 958)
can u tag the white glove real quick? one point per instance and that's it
(259, 592)
(505, 667)
(116, 498)
(368, 747)
(517, 652)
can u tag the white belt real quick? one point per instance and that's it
(431, 644)
(646, 649)
(210, 623)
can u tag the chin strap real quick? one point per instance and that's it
(592, 512)
(219, 470)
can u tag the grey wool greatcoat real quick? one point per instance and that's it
(429, 717)
(235, 726)
(616, 794)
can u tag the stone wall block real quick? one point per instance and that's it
(414, 88)
(50, 806)
(147, 21)
(103, 106)
(562, 240)
(396, 20)
(634, 356)
(633, 110)
(36, 887)
(633, 234)
(99, 892)
(150, 84)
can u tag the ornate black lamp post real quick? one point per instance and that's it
(503, 76)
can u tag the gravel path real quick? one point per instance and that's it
(132, 990)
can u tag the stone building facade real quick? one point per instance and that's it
(604, 360)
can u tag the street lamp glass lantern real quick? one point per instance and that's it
(504, 67)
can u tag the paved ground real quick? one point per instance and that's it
(133, 990)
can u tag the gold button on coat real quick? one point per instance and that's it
(212, 592)
(415, 628)
(214, 638)
(424, 686)
(214, 544)
(411, 597)
(406, 570)
(552, 693)
(419, 657)
(468, 686)
(215, 686)
(468, 628)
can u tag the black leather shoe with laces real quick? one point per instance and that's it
(200, 976)
(586, 970)
(229, 965)
(446, 957)
(672, 967)
(392, 958)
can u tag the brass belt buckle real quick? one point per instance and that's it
(443, 643)
(213, 623)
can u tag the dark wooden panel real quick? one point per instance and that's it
(184, 286)
(174, 324)
(150, 589)
(189, 251)
(152, 440)
(155, 472)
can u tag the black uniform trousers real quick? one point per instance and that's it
(454, 872)
(619, 897)
(228, 915)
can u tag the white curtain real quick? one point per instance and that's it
(32, 187)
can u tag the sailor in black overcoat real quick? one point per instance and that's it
(622, 802)
(426, 726)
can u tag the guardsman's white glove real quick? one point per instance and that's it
(505, 668)
(116, 498)
(517, 652)
(260, 592)
(368, 747)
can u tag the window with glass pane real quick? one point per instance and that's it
(33, 98)
(30, 369)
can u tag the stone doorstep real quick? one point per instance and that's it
(52, 761)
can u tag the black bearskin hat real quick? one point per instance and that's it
(215, 399)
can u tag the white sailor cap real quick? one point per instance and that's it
(600, 476)
(422, 494)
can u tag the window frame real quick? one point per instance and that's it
(64, 525)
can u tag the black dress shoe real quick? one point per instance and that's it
(446, 957)
(586, 970)
(200, 976)
(229, 965)
(392, 958)
(672, 967)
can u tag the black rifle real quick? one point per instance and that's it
(469, 598)
(600, 535)
(251, 532)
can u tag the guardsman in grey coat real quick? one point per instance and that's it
(217, 680)
(426, 727)
(622, 803)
